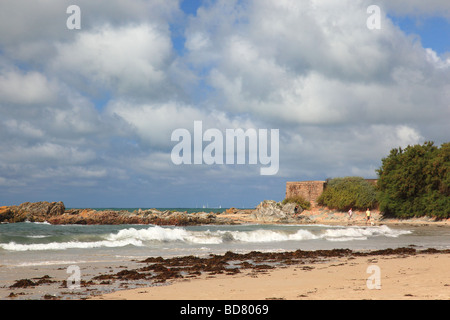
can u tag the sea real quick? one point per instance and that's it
(28, 244)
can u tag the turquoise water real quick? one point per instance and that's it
(25, 244)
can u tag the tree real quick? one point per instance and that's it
(415, 182)
(348, 192)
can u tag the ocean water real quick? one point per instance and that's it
(40, 244)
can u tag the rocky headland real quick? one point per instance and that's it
(268, 211)
(56, 213)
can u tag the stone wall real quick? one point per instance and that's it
(372, 181)
(310, 190)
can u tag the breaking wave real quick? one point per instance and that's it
(155, 234)
(360, 233)
(12, 246)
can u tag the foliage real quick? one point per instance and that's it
(302, 202)
(349, 192)
(415, 182)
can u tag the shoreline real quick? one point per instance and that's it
(55, 213)
(137, 280)
(402, 277)
(406, 273)
(322, 215)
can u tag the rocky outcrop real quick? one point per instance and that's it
(151, 216)
(32, 211)
(271, 211)
(55, 213)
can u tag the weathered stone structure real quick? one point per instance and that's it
(310, 190)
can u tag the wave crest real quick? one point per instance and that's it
(152, 234)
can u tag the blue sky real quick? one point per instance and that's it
(190, 6)
(86, 116)
(434, 32)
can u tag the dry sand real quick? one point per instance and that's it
(417, 277)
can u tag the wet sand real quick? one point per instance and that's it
(402, 277)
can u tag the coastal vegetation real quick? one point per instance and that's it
(415, 182)
(348, 192)
(297, 199)
(412, 182)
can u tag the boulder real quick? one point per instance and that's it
(275, 212)
(32, 211)
(6, 214)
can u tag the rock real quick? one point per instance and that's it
(290, 208)
(55, 213)
(32, 211)
(6, 214)
(151, 216)
(275, 212)
(231, 211)
(270, 211)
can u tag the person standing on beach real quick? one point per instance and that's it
(368, 215)
(350, 212)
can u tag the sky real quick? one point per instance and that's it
(87, 114)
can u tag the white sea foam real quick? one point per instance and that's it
(12, 246)
(156, 233)
(271, 236)
(148, 237)
(36, 222)
(360, 233)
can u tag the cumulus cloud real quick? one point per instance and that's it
(25, 88)
(82, 108)
(320, 65)
(130, 60)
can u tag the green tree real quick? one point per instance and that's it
(348, 192)
(415, 182)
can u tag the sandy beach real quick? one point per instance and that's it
(338, 274)
(416, 277)
(401, 277)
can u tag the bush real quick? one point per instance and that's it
(302, 202)
(349, 192)
(415, 182)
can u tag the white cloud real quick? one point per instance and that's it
(438, 62)
(317, 63)
(99, 104)
(48, 153)
(198, 41)
(23, 128)
(408, 136)
(29, 30)
(126, 60)
(154, 123)
(25, 88)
